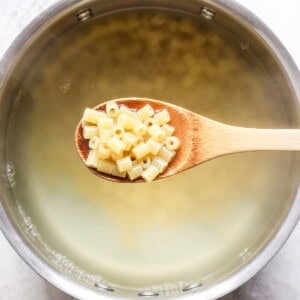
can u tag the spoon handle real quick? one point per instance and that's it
(240, 139)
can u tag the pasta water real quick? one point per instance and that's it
(192, 225)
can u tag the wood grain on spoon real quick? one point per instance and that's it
(202, 139)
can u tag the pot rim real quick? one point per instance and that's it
(61, 281)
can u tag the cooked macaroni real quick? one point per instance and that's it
(172, 142)
(146, 162)
(124, 164)
(168, 129)
(89, 131)
(162, 117)
(156, 132)
(112, 109)
(125, 142)
(145, 112)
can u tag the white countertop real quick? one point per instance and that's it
(279, 280)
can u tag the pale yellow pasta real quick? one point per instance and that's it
(86, 123)
(139, 128)
(116, 145)
(166, 154)
(149, 122)
(162, 117)
(92, 159)
(160, 163)
(106, 166)
(172, 142)
(124, 142)
(92, 115)
(115, 156)
(145, 112)
(135, 172)
(150, 173)
(146, 138)
(94, 142)
(139, 140)
(154, 146)
(156, 132)
(129, 139)
(112, 109)
(103, 151)
(168, 129)
(89, 131)
(105, 135)
(145, 162)
(133, 158)
(124, 164)
(152, 156)
(105, 123)
(126, 121)
(124, 109)
(141, 150)
(118, 131)
(117, 173)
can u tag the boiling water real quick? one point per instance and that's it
(192, 225)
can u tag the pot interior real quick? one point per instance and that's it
(196, 227)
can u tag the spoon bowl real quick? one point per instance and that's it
(177, 120)
(202, 139)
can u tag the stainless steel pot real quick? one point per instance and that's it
(18, 227)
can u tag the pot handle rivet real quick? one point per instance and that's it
(207, 13)
(84, 14)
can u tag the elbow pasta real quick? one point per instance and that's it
(129, 143)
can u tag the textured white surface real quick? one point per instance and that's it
(280, 280)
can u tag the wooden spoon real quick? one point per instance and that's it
(202, 139)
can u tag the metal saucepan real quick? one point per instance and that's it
(200, 234)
